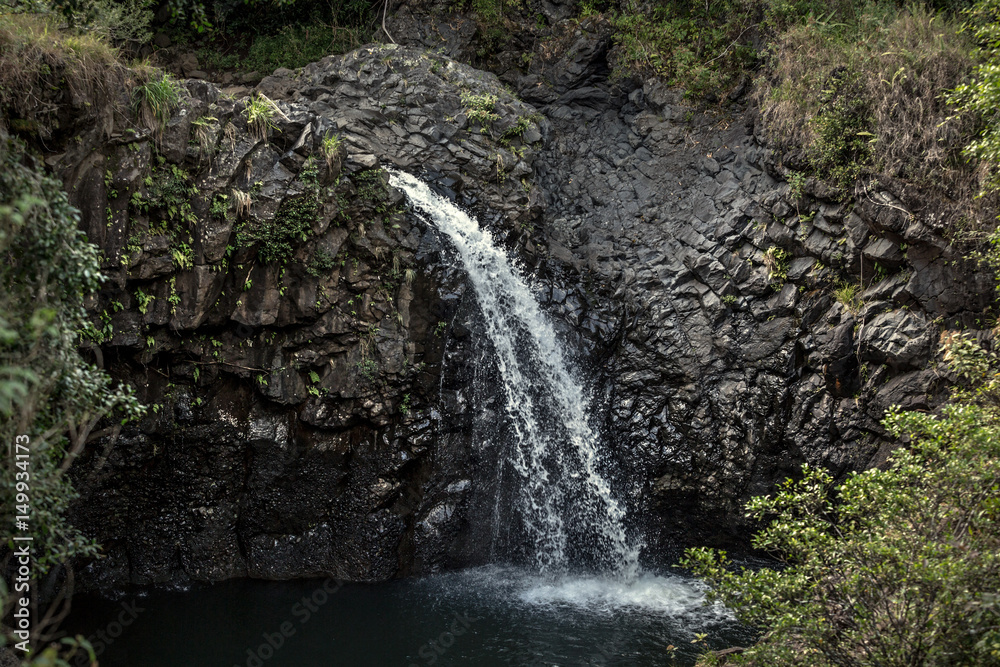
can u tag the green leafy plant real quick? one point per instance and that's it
(53, 401)
(321, 264)
(277, 237)
(899, 566)
(369, 369)
(982, 95)
(776, 260)
(480, 109)
(143, 300)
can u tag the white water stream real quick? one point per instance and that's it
(564, 501)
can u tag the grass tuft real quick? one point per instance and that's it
(849, 295)
(869, 95)
(261, 111)
(43, 69)
(155, 100)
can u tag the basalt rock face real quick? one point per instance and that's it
(315, 355)
(732, 361)
(286, 318)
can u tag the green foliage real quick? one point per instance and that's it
(154, 100)
(321, 264)
(895, 567)
(369, 369)
(277, 237)
(143, 300)
(169, 190)
(260, 111)
(982, 95)
(491, 20)
(693, 45)
(849, 295)
(777, 261)
(373, 189)
(480, 109)
(47, 391)
(298, 45)
(843, 138)
(220, 206)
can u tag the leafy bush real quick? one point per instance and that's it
(895, 567)
(982, 96)
(48, 392)
(298, 45)
(777, 261)
(277, 237)
(693, 45)
(321, 264)
(480, 109)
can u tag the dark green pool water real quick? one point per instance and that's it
(484, 617)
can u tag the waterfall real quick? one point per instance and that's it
(566, 505)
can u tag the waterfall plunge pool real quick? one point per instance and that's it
(488, 616)
(482, 617)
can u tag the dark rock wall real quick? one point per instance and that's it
(296, 428)
(722, 377)
(320, 416)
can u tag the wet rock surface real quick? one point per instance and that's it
(317, 414)
(286, 318)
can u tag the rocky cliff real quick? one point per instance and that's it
(313, 352)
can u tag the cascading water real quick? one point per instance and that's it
(550, 613)
(566, 505)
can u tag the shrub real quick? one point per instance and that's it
(776, 260)
(48, 392)
(895, 567)
(297, 46)
(321, 264)
(982, 95)
(693, 45)
(480, 109)
(277, 237)
(870, 91)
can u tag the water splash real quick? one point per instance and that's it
(566, 505)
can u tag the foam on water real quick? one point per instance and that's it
(682, 598)
(672, 596)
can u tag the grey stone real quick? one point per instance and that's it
(899, 338)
